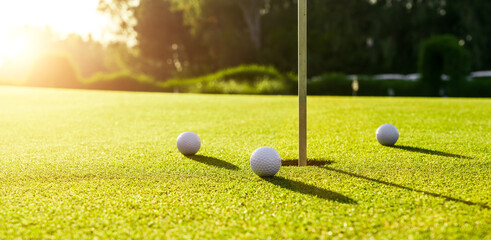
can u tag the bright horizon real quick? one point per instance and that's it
(61, 16)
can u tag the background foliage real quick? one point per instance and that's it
(358, 37)
(179, 40)
(442, 54)
(53, 70)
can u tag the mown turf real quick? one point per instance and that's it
(91, 164)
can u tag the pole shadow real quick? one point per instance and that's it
(428, 151)
(215, 162)
(310, 162)
(483, 205)
(304, 188)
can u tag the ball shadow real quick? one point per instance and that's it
(448, 198)
(215, 162)
(304, 188)
(428, 151)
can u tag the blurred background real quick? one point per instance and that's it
(362, 47)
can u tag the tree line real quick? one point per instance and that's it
(184, 38)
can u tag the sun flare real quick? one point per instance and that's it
(60, 16)
(16, 47)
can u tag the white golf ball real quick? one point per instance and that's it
(387, 134)
(188, 143)
(265, 162)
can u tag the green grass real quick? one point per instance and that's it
(93, 164)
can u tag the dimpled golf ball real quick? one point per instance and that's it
(188, 143)
(265, 162)
(387, 134)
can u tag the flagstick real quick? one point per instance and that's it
(302, 82)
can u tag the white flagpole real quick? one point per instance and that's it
(302, 82)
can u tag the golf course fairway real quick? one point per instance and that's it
(78, 164)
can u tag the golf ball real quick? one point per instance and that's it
(188, 143)
(265, 162)
(387, 134)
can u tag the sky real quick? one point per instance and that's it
(61, 16)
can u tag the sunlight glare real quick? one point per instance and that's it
(16, 47)
(65, 16)
(62, 16)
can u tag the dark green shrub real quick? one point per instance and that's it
(123, 81)
(478, 87)
(265, 86)
(245, 79)
(248, 73)
(53, 70)
(373, 87)
(340, 84)
(443, 55)
(330, 84)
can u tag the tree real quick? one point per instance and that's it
(471, 25)
(251, 10)
(443, 54)
(88, 55)
(211, 31)
(356, 37)
(280, 36)
(157, 30)
(161, 37)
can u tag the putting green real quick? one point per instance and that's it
(94, 164)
